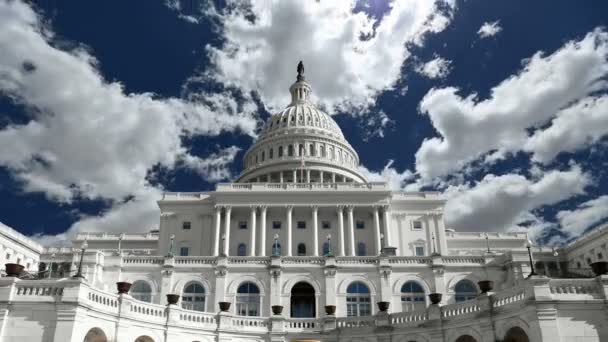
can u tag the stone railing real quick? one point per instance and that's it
(303, 260)
(410, 260)
(463, 259)
(147, 312)
(142, 260)
(196, 318)
(39, 291)
(516, 295)
(102, 300)
(245, 323)
(409, 318)
(575, 289)
(303, 324)
(460, 309)
(356, 260)
(356, 322)
(195, 261)
(295, 186)
(248, 260)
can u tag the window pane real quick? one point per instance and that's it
(186, 225)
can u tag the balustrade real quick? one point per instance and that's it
(460, 309)
(407, 318)
(574, 288)
(303, 324)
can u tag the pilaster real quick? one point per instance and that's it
(166, 285)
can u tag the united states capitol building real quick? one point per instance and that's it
(302, 247)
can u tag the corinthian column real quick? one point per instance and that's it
(340, 210)
(262, 230)
(217, 233)
(227, 230)
(253, 228)
(351, 230)
(387, 226)
(289, 210)
(315, 231)
(377, 230)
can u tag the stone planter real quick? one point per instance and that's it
(277, 309)
(224, 306)
(383, 306)
(330, 309)
(435, 298)
(485, 285)
(599, 267)
(172, 298)
(123, 287)
(13, 270)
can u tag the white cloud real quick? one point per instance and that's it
(177, 7)
(435, 68)
(498, 203)
(348, 62)
(489, 29)
(548, 88)
(582, 124)
(575, 222)
(396, 180)
(87, 137)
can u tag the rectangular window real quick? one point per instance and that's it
(417, 225)
(419, 251)
(183, 251)
(242, 225)
(301, 224)
(360, 225)
(326, 225)
(276, 224)
(186, 225)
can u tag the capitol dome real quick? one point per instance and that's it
(301, 144)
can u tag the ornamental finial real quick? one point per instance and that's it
(300, 71)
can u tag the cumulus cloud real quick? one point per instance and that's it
(558, 87)
(498, 203)
(435, 68)
(87, 137)
(350, 57)
(575, 222)
(396, 180)
(489, 29)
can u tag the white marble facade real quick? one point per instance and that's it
(302, 229)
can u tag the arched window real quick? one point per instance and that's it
(325, 248)
(276, 249)
(141, 290)
(312, 150)
(193, 297)
(412, 297)
(248, 299)
(271, 153)
(280, 151)
(361, 250)
(263, 155)
(241, 250)
(358, 300)
(301, 150)
(464, 290)
(301, 249)
(290, 150)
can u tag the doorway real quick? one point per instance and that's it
(303, 300)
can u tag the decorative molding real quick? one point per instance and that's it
(168, 214)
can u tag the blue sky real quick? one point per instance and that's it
(502, 105)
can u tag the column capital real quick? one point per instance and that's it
(218, 207)
(289, 207)
(385, 207)
(263, 207)
(340, 208)
(228, 207)
(350, 207)
(314, 207)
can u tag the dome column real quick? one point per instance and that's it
(218, 227)
(387, 225)
(227, 230)
(377, 233)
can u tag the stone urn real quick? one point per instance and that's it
(383, 306)
(435, 298)
(123, 287)
(277, 309)
(330, 309)
(172, 298)
(599, 267)
(13, 270)
(224, 306)
(485, 285)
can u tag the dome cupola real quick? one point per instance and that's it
(301, 144)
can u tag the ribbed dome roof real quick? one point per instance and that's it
(301, 138)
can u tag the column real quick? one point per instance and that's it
(308, 176)
(280, 176)
(218, 228)
(253, 228)
(262, 251)
(315, 231)
(227, 230)
(341, 229)
(333, 177)
(377, 230)
(289, 210)
(442, 244)
(351, 230)
(387, 226)
(320, 176)
(295, 176)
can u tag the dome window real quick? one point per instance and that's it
(280, 151)
(290, 151)
(270, 153)
(312, 150)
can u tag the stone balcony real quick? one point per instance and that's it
(68, 295)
